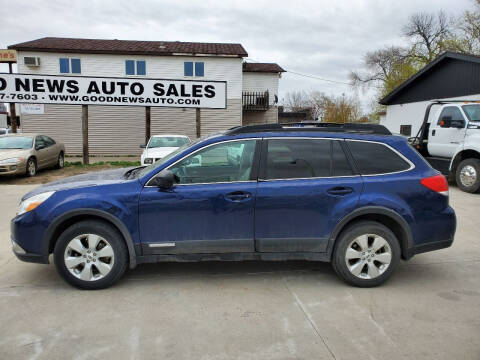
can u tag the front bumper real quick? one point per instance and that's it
(22, 255)
(27, 240)
(16, 169)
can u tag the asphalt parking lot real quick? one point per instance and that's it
(430, 309)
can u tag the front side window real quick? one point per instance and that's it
(70, 66)
(40, 142)
(224, 162)
(375, 158)
(135, 67)
(48, 140)
(190, 68)
(451, 111)
(305, 158)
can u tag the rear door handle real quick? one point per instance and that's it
(238, 196)
(340, 190)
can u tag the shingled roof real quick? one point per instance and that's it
(129, 47)
(262, 67)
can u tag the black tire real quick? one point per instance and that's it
(107, 232)
(475, 185)
(31, 169)
(60, 160)
(353, 231)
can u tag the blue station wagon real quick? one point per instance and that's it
(353, 195)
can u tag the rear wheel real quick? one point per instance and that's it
(31, 167)
(366, 254)
(91, 255)
(467, 175)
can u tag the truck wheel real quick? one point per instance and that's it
(366, 254)
(468, 175)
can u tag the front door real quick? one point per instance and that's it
(210, 210)
(305, 187)
(444, 142)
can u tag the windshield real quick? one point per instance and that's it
(159, 163)
(472, 111)
(16, 142)
(167, 141)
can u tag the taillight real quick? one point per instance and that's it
(437, 183)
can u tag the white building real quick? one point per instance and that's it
(252, 89)
(451, 76)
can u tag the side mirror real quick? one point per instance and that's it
(143, 146)
(165, 180)
(446, 122)
(39, 147)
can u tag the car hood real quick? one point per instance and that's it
(158, 152)
(10, 153)
(91, 179)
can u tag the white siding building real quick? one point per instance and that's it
(451, 76)
(119, 130)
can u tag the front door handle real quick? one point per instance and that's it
(433, 132)
(340, 190)
(238, 196)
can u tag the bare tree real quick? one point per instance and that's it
(296, 101)
(429, 34)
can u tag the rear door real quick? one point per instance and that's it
(306, 185)
(442, 141)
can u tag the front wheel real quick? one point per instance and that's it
(91, 255)
(31, 167)
(467, 175)
(60, 161)
(366, 254)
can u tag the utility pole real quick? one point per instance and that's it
(198, 122)
(86, 158)
(147, 124)
(13, 113)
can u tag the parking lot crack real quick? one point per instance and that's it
(309, 318)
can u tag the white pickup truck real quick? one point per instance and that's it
(451, 142)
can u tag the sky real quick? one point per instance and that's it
(324, 39)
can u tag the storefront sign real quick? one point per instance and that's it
(8, 56)
(51, 89)
(33, 109)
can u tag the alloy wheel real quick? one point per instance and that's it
(468, 176)
(32, 168)
(89, 257)
(368, 256)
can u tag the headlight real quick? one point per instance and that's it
(148, 161)
(33, 202)
(11, 161)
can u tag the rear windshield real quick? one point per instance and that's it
(472, 111)
(16, 142)
(375, 158)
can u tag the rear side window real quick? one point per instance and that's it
(305, 158)
(374, 158)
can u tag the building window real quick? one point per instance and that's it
(133, 67)
(70, 66)
(188, 67)
(406, 130)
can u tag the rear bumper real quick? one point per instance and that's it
(437, 233)
(429, 247)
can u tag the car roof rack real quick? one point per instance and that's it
(311, 126)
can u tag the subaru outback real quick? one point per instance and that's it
(352, 195)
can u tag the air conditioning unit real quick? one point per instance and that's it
(31, 61)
